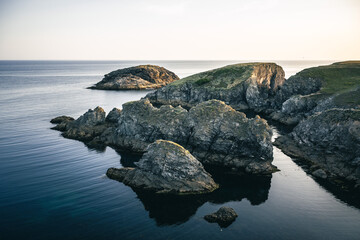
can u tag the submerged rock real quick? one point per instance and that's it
(242, 86)
(224, 216)
(166, 167)
(135, 78)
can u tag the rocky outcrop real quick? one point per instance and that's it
(330, 141)
(166, 167)
(317, 89)
(61, 119)
(212, 131)
(135, 78)
(242, 86)
(88, 126)
(113, 116)
(224, 216)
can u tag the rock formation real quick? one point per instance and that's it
(318, 89)
(166, 167)
(224, 216)
(242, 86)
(212, 131)
(135, 78)
(330, 141)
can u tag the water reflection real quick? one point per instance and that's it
(171, 209)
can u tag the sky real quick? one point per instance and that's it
(179, 30)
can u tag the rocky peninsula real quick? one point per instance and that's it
(136, 78)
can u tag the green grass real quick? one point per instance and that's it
(336, 77)
(342, 79)
(225, 77)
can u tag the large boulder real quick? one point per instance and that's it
(212, 131)
(330, 141)
(243, 86)
(166, 167)
(85, 128)
(135, 78)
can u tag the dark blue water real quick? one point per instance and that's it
(55, 188)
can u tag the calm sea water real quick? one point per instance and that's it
(55, 188)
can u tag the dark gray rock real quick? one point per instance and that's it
(330, 140)
(166, 167)
(61, 119)
(86, 127)
(319, 173)
(212, 131)
(224, 216)
(135, 78)
(113, 115)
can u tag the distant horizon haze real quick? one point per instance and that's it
(180, 30)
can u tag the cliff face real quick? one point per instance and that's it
(330, 141)
(135, 78)
(242, 86)
(318, 89)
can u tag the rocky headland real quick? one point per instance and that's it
(166, 167)
(201, 113)
(136, 78)
(242, 86)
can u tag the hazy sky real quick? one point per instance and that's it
(157, 29)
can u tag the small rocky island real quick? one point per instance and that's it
(136, 78)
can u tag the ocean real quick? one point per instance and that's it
(56, 188)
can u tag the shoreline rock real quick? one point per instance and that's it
(136, 78)
(212, 131)
(166, 167)
(330, 141)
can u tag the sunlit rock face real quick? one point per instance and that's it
(242, 86)
(136, 78)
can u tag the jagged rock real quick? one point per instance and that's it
(212, 131)
(166, 167)
(318, 89)
(135, 78)
(243, 86)
(61, 119)
(331, 140)
(319, 173)
(224, 216)
(86, 127)
(113, 115)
